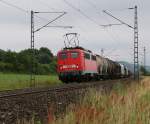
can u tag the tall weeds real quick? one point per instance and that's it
(124, 105)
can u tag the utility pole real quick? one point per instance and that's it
(33, 31)
(32, 75)
(144, 60)
(135, 27)
(136, 58)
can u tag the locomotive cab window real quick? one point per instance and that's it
(74, 55)
(93, 57)
(63, 55)
(86, 56)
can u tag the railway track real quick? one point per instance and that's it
(40, 100)
(60, 88)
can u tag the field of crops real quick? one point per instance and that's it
(18, 81)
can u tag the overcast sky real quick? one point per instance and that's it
(85, 16)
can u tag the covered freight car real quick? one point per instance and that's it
(107, 68)
(102, 67)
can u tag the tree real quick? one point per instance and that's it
(45, 56)
(2, 54)
(25, 59)
(143, 70)
(9, 57)
(21, 62)
(53, 66)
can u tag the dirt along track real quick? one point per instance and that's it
(40, 103)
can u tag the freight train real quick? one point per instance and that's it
(79, 64)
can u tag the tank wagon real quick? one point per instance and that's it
(78, 64)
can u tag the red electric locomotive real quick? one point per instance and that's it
(75, 64)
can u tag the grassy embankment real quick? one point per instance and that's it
(19, 81)
(124, 105)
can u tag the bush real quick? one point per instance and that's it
(6, 67)
(45, 62)
(53, 67)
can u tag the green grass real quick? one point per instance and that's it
(124, 105)
(19, 81)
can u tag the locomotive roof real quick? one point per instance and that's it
(78, 47)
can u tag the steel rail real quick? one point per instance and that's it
(10, 93)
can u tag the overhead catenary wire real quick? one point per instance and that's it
(94, 6)
(14, 6)
(91, 3)
(136, 58)
(110, 34)
(41, 18)
(122, 22)
(29, 11)
(81, 12)
(46, 4)
(51, 21)
(21, 9)
(98, 11)
(75, 26)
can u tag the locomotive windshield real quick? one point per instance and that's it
(74, 55)
(63, 55)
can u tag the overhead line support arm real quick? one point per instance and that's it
(50, 22)
(122, 22)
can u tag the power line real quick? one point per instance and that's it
(110, 34)
(94, 6)
(57, 26)
(33, 31)
(136, 51)
(122, 22)
(32, 79)
(47, 5)
(26, 11)
(91, 3)
(14, 6)
(114, 39)
(21, 9)
(50, 21)
(119, 10)
(113, 36)
(81, 12)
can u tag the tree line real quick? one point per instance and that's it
(20, 62)
(144, 71)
